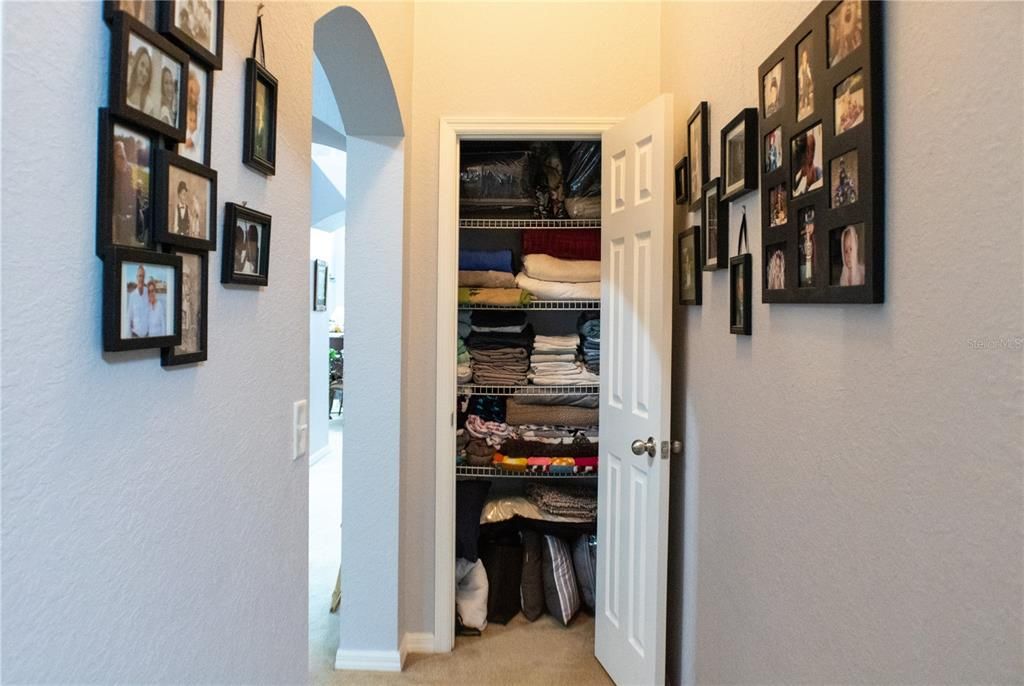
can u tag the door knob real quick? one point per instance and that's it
(640, 446)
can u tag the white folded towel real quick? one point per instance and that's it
(548, 268)
(558, 290)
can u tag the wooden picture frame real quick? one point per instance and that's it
(133, 94)
(739, 155)
(239, 265)
(178, 210)
(125, 184)
(195, 301)
(319, 286)
(189, 33)
(259, 145)
(831, 112)
(123, 317)
(740, 301)
(198, 148)
(698, 150)
(715, 227)
(145, 11)
(688, 260)
(681, 179)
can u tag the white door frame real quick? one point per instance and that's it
(453, 130)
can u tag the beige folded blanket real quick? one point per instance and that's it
(517, 413)
(558, 290)
(548, 268)
(512, 297)
(491, 279)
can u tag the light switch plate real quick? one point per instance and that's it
(300, 429)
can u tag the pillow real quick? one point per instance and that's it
(531, 588)
(584, 558)
(471, 594)
(560, 592)
(503, 560)
(469, 503)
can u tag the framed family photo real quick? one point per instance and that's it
(739, 155)
(196, 25)
(194, 302)
(259, 139)
(141, 296)
(125, 187)
(144, 11)
(697, 152)
(740, 271)
(715, 217)
(148, 77)
(688, 258)
(186, 201)
(246, 250)
(198, 115)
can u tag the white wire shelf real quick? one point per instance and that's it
(515, 224)
(541, 305)
(477, 389)
(495, 473)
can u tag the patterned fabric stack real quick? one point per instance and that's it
(569, 501)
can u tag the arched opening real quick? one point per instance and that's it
(357, 209)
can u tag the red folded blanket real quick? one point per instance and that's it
(567, 244)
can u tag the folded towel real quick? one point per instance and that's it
(518, 413)
(548, 268)
(485, 260)
(487, 279)
(557, 290)
(509, 297)
(516, 328)
(580, 377)
(552, 367)
(568, 341)
(497, 317)
(552, 357)
(569, 244)
(589, 401)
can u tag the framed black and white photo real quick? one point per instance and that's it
(688, 259)
(682, 181)
(697, 152)
(775, 266)
(246, 249)
(196, 25)
(715, 220)
(148, 77)
(185, 202)
(125, 187)
(141, 296)
(144, 11)
(259, 139)
(195, 284)
(198, 115)
(829, 181)
(320, 286)
(740, 285)
(739, 155)
(771, 91)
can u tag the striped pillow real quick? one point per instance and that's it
(584, 557)
(560, 591)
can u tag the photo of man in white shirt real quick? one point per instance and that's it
(138, 306)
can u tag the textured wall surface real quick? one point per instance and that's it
(855, 472)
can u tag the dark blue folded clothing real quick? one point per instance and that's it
(485, 260)
(591, 344)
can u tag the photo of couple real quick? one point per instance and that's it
(147, 309)
(247, 247)
(153, 80)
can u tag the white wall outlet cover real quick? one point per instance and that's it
(300, 429)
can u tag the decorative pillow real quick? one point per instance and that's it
(584, 557)
(560, 592)
(531, 588)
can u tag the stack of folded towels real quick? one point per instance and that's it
(553, 278)
(486, 278)
(556, 361)
(499, 347)
(589, 326)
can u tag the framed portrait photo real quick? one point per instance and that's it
(771, 91)
(739, 155)
(198, 115)
(186, 202)
(197, 26)
(715, 218)
(144, 11)
(259, 140)
(194, 302)
(246, 250)
(124, 200)
(148, 77)
(697, 151)
(740, 284)
(681, 179)
(688, 259)
(141, 296)
(319, 286)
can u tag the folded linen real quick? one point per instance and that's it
(580, 378)
(589, 324)
(497, 317)
(568, 244)
(553, 367)
(500, 329)
(487, 279)
(479, 453)
(463, 373)
(485, 260)
(488, 407)
(552, 357)
(558, 290)
(511, 297)
(563, 500)
(518, 413)
(495, 355)
(589, 401)
(548, 268)
(489, 341)
(570, 341)
(523, 448)
(494, 433)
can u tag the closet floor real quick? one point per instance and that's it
(541, 652)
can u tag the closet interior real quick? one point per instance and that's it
(528, 381)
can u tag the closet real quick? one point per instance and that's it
(527, 383)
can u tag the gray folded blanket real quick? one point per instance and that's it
(517, 413)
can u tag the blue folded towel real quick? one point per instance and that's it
(485, 260)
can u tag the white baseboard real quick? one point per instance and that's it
(384, 660)
(421, 642)
(319, 455)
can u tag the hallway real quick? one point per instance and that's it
(324, 552)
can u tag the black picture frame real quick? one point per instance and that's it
(740, 304)
(699, 173)
(213, 59)
(207, 112)
(846, 100)
(112, 7)
(113, 306)
(715, 237)
(319, 286)
(170, 356)
(689, 238)
(166, 162)
(740, 137)
(681, 178)
(253, 153)
(132, 217)
(122, 27)
(233, 214)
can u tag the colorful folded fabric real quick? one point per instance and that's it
(510, 464)
(548, 268)
(485, 260)
(487, 279)
(568, 244)
(511, 297)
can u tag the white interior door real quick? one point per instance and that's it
(636, 339)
